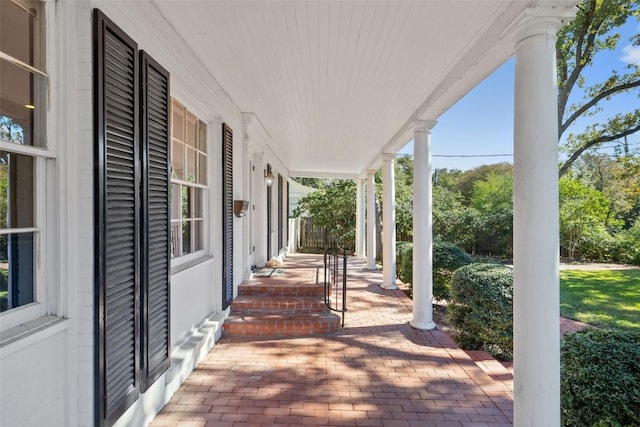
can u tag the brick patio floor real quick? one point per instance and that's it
(376, 371)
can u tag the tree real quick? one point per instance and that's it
(594, 30)
(584, 214)
(493, 198)
(333, 206)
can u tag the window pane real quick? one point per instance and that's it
(198, 243)
(191, 165)
(16, 32)
(16, 270)
(202, 169)
(177, 161)
(192, 130)
(202, 136)
(186, 202)
(16, 191)
(197, 203)
(22, 105)
(175, 201)
(177, 121)
(175, 239)
(186, 237)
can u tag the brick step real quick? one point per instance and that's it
(281, 290)
(260, 305)
(280, 326)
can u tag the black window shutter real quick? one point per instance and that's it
(154, 125)
(227, 216)
(286, 226)
(116, 218)
(280, 212)
(269, 215)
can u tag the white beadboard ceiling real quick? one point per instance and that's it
(337, 83)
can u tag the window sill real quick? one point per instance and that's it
(178, 267)
(25, 335)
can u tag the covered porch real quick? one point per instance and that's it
(376, 371)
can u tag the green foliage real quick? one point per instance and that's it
(600, 380)
(453, 221)
(584, 218)
(604, 298)
(481, 308)
(400, 250)
(333, 206)
(447, 258)
(406, 272)
(628, 245)
(403, 171)
(594, 30)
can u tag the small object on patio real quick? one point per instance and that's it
(267, 272)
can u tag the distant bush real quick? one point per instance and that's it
(600, 381)
(400, 248)
(447, 258)
(628, 245)
(481, 308)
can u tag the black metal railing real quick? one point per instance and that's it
(335, 276)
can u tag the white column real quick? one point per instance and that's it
(371, 220)
(422, 227)
(388, 223)
(360, 218)
(535, 230)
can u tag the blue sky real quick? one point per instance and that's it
(481, 123)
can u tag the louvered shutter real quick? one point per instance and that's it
(269, 215)
(154, 96)
(227, 216)
(117, 211)
(280, 212)
(286, 225)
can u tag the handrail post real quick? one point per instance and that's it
(344, 284)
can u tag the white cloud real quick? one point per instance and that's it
(631, 54)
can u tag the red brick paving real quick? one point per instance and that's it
(376, 371)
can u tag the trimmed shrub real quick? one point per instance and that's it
(447, 258)
(401, 246)
(600, 381)
(481, 308)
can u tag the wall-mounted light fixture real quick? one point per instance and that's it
(268, 176)
(240, 207)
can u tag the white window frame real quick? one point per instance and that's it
(44, 179)
(181, 262)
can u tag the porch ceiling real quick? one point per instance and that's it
(337, 83)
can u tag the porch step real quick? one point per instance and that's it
(288, 307)
(269, 305)
(239, 325)
(281, 290)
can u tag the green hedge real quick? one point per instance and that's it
(447, 258)
(401, 247)
(481, 308)
(600, 382)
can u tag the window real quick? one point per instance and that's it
(23, 154)
(188, 179)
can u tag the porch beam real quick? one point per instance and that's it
(536, 222)
(422, 227)
(371, 220)
(388, 223)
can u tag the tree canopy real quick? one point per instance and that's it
(593, 32)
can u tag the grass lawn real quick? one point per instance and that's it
(604, 298)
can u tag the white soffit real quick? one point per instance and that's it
(335, 83)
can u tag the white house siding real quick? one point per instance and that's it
(51, 381)
(32, 382)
